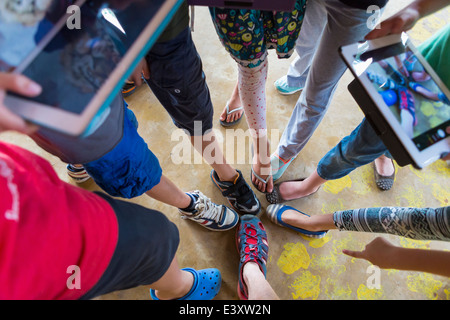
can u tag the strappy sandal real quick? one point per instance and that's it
(406, 102)
(207, 283)
(232, 123)
(274, 212)
(252, 245)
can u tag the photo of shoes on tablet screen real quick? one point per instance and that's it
(407, 92)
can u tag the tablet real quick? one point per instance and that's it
(265, 5)
(402, 97)
(80, 54)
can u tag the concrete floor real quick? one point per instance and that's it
(298, 268)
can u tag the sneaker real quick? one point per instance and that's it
(210, 215)
(282, 86)
(78, 174)
(239, 194)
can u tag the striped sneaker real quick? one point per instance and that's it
(210, 215)
(77, 173)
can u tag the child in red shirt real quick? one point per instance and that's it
(58, 241)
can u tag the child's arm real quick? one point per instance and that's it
(387, 256)
(407, 17)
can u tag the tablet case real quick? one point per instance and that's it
(265, 5)
(380, 125)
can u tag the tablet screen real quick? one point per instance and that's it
(74, 64)
(411, 94)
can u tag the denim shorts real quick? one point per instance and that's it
(178, 82)
(130, 169)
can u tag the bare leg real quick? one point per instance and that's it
(175, 283)
(312, 223)
(290, 190)
(167, 192)
(214, 156)
(257, 285)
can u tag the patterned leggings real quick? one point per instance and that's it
(414, 223)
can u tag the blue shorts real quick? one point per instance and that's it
(178, 82)
(130, 169)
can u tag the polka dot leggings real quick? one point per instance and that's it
(252, 90)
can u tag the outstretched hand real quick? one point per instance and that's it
(379, 252)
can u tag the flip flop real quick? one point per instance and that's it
(279, 166)
(274, 212)
(252, 245)
(207, 283)
(253, 173)
(232, 123)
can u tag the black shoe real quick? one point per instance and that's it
(239, 194)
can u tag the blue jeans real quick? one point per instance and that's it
(359, 148)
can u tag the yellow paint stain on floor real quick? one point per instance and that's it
(424, 283)
(447, 294)
(293, 258)
(306, 286)
(335, 292)
(332, 206)
(363, 180)
(318, 243)
(442, 195)
(411, 197)
(414, 244)
(364, 293)
(336, 186)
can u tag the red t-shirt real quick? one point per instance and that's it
(56, 240)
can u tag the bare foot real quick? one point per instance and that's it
(384, 166)
(233, 104)
(290, 190)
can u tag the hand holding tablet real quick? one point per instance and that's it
(80, 70)
(402, 97)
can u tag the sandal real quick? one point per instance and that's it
(274, 212)
(207, 283)
(275, 196)
(407, 102)
(232, 123)
(253, 173)
(252, 245)
(279, 166)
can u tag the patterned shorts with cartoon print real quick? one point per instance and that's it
(248, 34)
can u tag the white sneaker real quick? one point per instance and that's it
(210, 215)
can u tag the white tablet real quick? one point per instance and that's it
(405, 96)
(81, 54)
